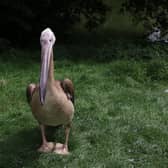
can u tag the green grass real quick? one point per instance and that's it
(121, 118)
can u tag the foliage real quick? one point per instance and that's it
(148, 12)
(157, 70)
(22, 19)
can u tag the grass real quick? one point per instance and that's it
(121, 117)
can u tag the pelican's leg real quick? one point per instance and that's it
(67, 131)
(46, 146)
(63, 148)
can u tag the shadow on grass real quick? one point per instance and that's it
(19, 150)
(92, 47)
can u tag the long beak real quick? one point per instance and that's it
(45, 58)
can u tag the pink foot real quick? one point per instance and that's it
(61, 149)
(47, 147)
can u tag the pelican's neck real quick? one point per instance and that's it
(51, 69)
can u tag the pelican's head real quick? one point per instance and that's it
(47, 37)
(47, 40)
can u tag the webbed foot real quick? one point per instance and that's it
(61, 149)
(47, 147)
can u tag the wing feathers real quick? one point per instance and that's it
(29, 92)
(68, 88)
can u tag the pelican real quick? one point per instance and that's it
(51, 101)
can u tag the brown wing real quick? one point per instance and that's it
(68, 88)
(29, 92)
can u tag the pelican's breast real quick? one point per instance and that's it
(56, 110)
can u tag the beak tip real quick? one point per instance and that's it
(42, 101)
(42, 97)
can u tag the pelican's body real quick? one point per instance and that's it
(51, 101)
(57, 109)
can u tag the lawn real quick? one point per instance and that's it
(121, 118)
